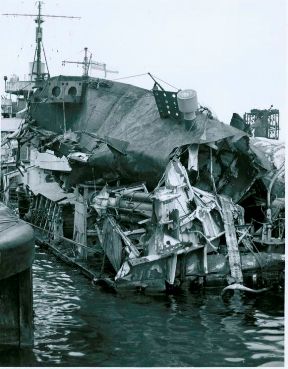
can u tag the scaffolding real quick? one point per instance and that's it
(263, 123)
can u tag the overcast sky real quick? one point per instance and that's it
(232, 52)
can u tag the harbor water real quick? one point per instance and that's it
(79, 324)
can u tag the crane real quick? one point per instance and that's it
(88, 63)
(39, 41)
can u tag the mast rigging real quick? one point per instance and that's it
(39, 73)
(89, 63)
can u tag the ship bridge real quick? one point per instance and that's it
(16, 87)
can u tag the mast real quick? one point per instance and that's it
(85, 63)
(88, 63)
(39, 41)
(38, 21)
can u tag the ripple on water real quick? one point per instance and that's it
(76, 354)
(77, 324)
(272, 338)
(267, 355)
(235, 359)
(259, 346)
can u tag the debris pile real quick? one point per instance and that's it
(177, 233)
(207, 207)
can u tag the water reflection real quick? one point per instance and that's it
(77, 324)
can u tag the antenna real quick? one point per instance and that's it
(39, 37)
(88, 63)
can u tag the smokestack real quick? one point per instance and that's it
(188, 104)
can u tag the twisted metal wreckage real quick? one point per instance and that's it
(215, 217)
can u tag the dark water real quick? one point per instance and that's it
(76, 324)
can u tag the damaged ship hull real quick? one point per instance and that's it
(185, 223)
(153, 197)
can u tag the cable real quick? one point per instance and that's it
(176, 88)
(135, 75)
(45, 59)
(32, 71)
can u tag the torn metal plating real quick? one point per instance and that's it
(183, 236)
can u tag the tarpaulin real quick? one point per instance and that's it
(128, 113)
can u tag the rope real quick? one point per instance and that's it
(132, 76)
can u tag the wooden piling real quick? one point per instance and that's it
(16, 294)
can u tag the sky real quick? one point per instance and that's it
(232, 52)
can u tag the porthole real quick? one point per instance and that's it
(56, 91)
(72, 91)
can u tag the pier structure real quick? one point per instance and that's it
(16, 294)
